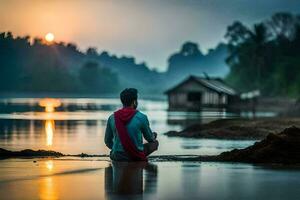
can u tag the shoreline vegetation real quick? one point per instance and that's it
(263, 56)
(281, 148)
(236, 129)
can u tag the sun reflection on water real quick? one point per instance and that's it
(48, 189)
(49, 165)
(49, 128)
(48, 185)
(49, 104)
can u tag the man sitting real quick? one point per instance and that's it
(125, 131)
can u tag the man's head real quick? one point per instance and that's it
(129, 97)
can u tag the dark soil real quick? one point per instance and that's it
(28, 153)
(236, 129)
(281, 148)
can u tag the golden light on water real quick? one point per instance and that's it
(48, 189)
(49, 37)
(49, 104)
(47, 185)
(49, 128)
(49, 165)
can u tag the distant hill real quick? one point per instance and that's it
(130, 73)
(191, 61)
(37, 66)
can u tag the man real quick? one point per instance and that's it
(125, 131)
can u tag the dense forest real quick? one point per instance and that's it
(265, 56)
(37, 66)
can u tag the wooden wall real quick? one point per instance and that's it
(179, 98)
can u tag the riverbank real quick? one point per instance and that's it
(236, 129)
(279, 148)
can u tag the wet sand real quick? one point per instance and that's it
(94, 178)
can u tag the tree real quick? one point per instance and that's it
(188, 57)
(265, 56)
(283, 25)
(98, 79)
(92, 52)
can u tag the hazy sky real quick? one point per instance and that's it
(150, 30)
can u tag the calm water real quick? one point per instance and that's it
(77, 125)
(94, 179)
(74, 126)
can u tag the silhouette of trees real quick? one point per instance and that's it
(191, 61)
(265, 56)
(189, 55)
(92, 52)
(97, 79)
(10, 67)
(39, 67)
(58, 67)
(282, 25)
(132, 74)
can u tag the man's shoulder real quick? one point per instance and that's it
(141, 115)
(111, 117)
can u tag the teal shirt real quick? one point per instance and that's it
(137, 128)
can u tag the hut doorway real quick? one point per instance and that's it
(194, 97)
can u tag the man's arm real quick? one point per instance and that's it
(146, 130)
(108, 138)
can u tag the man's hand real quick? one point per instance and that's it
(155, 135)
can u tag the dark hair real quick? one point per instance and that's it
(128, 95)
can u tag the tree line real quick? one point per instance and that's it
(266, 56)
(37, 66)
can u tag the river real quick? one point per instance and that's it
(77, 125)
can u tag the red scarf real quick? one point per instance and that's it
(122, 117)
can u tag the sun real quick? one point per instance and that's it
(49, 37)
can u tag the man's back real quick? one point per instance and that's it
(137, 128)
